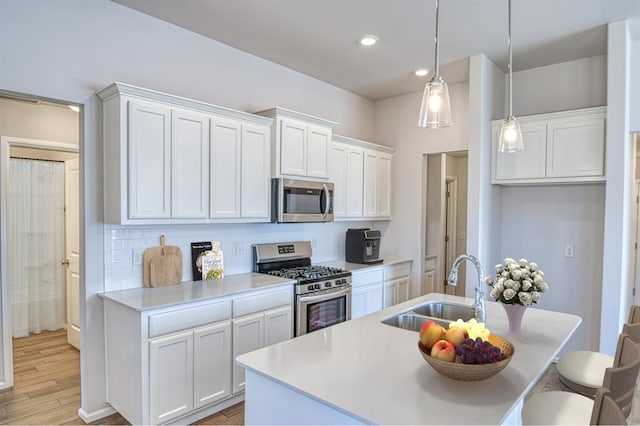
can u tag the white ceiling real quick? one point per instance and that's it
(318, 37)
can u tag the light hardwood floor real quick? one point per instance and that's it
(47, 386)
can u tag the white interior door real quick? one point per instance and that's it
(72, 250)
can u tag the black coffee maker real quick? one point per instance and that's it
(363, 246)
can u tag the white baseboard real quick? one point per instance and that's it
(96, 415)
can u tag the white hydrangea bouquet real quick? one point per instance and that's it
(517, 283)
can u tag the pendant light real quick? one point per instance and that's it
(435, 109)
(510, 134)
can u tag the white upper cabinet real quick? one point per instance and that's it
(149, 165)
(361, 173)
(173, 160)
(563, 147)
(300, 145)
(189, 164)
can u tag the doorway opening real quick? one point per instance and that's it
(17, 154)
(445, 220)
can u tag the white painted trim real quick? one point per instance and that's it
(279, 112)
(118, 88)
(362, 144)
(95, 415)
(6, 142)
(573, 113)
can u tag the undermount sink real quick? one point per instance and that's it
(441, 312)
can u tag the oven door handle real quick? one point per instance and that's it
(327, 200)
(323, 296)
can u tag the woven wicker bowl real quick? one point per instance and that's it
(471, 372)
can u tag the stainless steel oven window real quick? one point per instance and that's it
(323, 309)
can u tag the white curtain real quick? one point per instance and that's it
(36, 246)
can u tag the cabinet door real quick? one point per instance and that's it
(402, 290)
(528, 163)
(338, 175)
(575, 148)
(225, 168)
(189, 165)
(374, 298)
(355, 178)
(384, 185)
(149, 165)
(428, 282)
(212, 363)
(278, 325)
(318, 139)
(171, 376)
(358, 302)
(388, 294)
(293, 148)
(248, 335)
(370, 184)
(255, 185)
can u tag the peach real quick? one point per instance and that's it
(443, 351)
(430, 333)
(456, 335)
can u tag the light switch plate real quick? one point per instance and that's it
(569, 250)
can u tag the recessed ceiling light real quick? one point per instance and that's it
(75, 108)
(368, 40)
(421, 72)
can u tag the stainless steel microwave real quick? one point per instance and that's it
(301, 201)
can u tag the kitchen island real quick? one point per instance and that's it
(367, 372)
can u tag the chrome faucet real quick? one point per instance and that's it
(478, 306)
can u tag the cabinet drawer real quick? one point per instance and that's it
(363, 278)
(397, 271)
(183, 319)
(262, 302)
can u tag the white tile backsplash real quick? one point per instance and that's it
(121, 241)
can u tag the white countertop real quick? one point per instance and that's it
(357, 267)
(141, 299)
(375, 373)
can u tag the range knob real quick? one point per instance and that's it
(317, 286)
(310, 287)
(327, 284)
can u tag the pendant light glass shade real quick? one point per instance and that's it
(510, 133)
(435, 108)
(510, 136)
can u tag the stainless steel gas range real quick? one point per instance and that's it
(322, 293)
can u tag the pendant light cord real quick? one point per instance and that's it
(437, 73)
(510, 65)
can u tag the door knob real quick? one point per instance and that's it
(65, 262)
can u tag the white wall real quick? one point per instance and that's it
(44, 122)
(397, 126)
(537, 223)
(559, 87)
(69, 49)
(617, 283)
(634, 115)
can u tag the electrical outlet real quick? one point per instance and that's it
(569, 250)
(137, 257)
(237, 249)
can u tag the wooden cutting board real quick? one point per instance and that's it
(162, 265)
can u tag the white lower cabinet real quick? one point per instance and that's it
(176, 363)
(171, 376)
(396, 291)
(211, 359)
(379, 287)
(365, 300)
(257, 331)
(189, 370)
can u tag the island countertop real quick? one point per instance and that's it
(370, 372)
